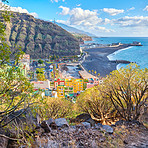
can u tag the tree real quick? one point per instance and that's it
(92, 102)
(40, 74)
(40, 61)
(127, 90)
(15, 89)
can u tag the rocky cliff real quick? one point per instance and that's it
(39, 38)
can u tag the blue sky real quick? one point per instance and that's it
(100, 17)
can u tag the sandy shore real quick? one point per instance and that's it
(98, 61)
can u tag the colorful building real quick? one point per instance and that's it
(60, 92)
(94, 82)
(77, 85)
(68, 86)
(58, 82)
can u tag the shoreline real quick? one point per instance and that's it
(98, 60)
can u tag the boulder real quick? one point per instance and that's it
(83, 117)
(98, 125)
(120, 122)
(51, 123)
(3, 142)
(91, 121)
(86, 124)
(108, 129)
(46, 127)
(61, 122)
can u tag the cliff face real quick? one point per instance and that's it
(82, 37)
(40, 38)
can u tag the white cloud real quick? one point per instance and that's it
(78, 5)
(101, 29)
(84, 17)
(113, 11)
(85, 20)
(63, 22)
(78, 16)
(16, 9)
(146, 8)
(136, 21)
(65, 10)
(132, 8)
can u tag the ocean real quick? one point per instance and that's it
(137, 54)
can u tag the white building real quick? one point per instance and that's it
(25, 60)
(41, 84)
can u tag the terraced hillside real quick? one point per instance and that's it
(40, 38)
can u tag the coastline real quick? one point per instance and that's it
(98, 60)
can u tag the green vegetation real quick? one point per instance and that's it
(121, 96)
(52, 108)
(39, 38)
(40, 74)
(40, 61)
(15, 89)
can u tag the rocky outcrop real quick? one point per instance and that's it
(39, 38)
(85, 135)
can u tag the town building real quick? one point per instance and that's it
(60, 92)
(58, 82)
(94, 82)
(68, 86)
(25, 60)
(41, 84)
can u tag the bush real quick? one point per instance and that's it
(52, 108)
(93, 102)
(127, 90)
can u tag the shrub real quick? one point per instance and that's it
(52, 108)
(127, 90)
(93, 102)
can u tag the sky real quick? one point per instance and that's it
(121, 18)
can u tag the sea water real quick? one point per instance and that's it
(136, 54)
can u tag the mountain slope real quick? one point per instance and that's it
(73, 30)
(39, 38)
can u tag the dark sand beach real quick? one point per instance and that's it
(98, 61)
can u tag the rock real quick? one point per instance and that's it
(3, 142)
(132, 123)
(120, 122)
(102, 139)
(125, 141)
(91, 121)
(86, 124)
(46, 127)
(98, 125)
(83, 117)
(51, 123)
(93, 144)
(108, 129)
(61, 122)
